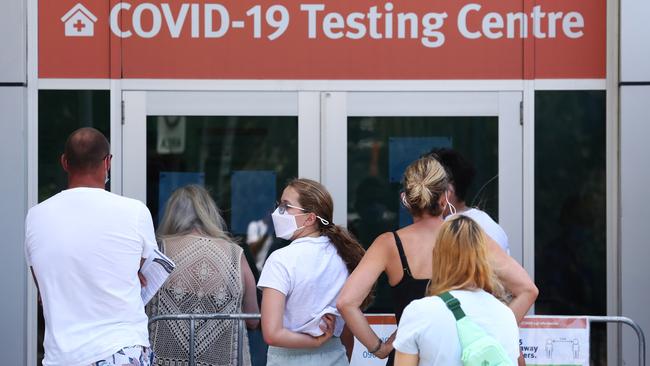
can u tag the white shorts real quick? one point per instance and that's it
(332, 353)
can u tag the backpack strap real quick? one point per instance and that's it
(452, 304)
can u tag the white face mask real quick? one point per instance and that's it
(107, 178)
(285, 224)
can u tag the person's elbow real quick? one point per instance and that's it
(270, 337)
(525, 289)
(532, 291)
(345, 305)
(527, 293)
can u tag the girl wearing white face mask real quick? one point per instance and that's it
(301, 282)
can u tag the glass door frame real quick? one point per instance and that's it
(137, 105)
(322, 134)
(506, 106)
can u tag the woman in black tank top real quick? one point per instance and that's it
(409, 288)
(425, 184)
(406, 290)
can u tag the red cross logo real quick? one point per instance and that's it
(79, 25)
(79, 22)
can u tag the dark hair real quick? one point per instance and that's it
(85, 149)
(314, 197)
(460, 170)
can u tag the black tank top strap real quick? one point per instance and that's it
(402, 255)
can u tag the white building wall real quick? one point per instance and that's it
(635, 40)
(13, 42)
(13, 195)
(13, 182)
(635, 213)
(635, 171)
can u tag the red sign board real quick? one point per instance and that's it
(335, 39)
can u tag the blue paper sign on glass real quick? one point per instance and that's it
(170, 181)
(253, 197)
(402, 151)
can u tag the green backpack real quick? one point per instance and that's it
(478, 348)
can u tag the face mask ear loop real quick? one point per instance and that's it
(452, 209)
(404, 203)
(323, 221)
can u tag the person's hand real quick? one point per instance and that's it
(143, 279)
(327, 326)
(386, 347)
(521, 361)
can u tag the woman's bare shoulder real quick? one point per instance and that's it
(383, 241)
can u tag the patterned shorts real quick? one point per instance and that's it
(128, 356)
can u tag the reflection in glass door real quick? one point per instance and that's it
(242, 146)
(379, 148)
(242, 160)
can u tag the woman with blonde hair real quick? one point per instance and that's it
(211, 276)
(302, 281)
(406, 256)
(427, 333)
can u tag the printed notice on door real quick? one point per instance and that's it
(555, 340)
(383, 325)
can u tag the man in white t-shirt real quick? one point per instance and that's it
(461, 174)
(85, 247)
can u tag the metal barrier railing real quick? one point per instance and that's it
(240, 318)
(631, 323)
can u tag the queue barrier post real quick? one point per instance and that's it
(631, 323)
(192, 318)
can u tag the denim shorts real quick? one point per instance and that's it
(128, 356)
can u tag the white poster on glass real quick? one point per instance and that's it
(553, 340)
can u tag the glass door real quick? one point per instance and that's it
(242, 146)
(370, 137)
